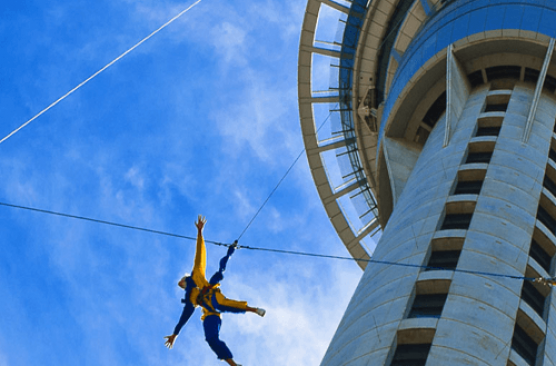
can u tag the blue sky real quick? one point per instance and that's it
(201, 119)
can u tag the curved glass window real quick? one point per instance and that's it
(460, 19)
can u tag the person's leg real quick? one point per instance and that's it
(223, 304)
(258, 311)
(211, 324)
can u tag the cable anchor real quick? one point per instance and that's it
(547, 281)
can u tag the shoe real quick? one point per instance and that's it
(261, 311)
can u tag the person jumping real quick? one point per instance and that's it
(207, 295)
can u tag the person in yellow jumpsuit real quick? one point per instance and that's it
(207, 295)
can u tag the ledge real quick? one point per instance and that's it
(492, 114)
(516, 360)
(417, 330)
(434, 282)
(545, 238)
(452, 233)
(530, 322)
(473, 171)
(442, 240)
(482, 144)
(461, 204)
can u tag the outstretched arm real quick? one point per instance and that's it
(200, 264)
(188, 310)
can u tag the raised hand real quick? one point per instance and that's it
(201, 221)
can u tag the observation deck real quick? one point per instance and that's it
(390, 65)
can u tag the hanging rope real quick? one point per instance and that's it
(99, 71)
(281, 251)
(281, 180)
(271, 193)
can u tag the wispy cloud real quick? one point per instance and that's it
(229, 43)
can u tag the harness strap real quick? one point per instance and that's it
(204, 298)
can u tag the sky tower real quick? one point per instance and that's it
(434, 136)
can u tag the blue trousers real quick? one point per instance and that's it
(212, 324)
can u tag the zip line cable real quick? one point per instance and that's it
(104, 222)
(280, 181)
(388, 263)
(272, 250)
(99, 71)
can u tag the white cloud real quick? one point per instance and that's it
(243, 207)
(258, 120)
(135, 177)
(277, 222)
(229, 42)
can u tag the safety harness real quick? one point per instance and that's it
(205, 298)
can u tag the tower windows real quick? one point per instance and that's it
(552, 155)
(527, 337)
(547, 207)
(540, 255)
(480, 152)
(533, 297)
(411, 354)
(547, 219)
(447, 259)
(470, 181)
(488, 131)
(489, 126)
(478, 157)
(413, 347)
(436, 110)
(497, 101)
(445, 252)
(430, 297)
(542, 249)
(459, 211)
(456, 221)
(503, 72)
(468, 187)
(476, 78)
(532, 76)
(427, 306)
(549, 185)
(550, 84)
(501, 107)
(524, 345)
(458, 215)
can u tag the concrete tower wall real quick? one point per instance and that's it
(450, 107)
(478, 318)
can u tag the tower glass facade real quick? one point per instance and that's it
(447, 112)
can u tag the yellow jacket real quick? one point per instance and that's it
(205, 295)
